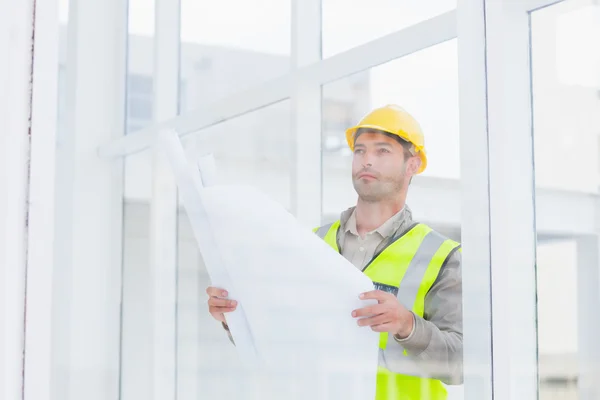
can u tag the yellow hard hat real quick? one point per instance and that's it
(395, 120)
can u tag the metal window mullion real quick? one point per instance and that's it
(513, 243)
(191, 121)
(475, 226)
(306, 168)
(531, 5)
(38, 334)
(398, 44)
(16, 31)
(163, 206)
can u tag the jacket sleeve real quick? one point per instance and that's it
(436, 343)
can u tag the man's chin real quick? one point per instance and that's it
(367, 185)
(369, 198)
(368, 195)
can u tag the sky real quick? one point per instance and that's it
(265, 25)
(577, 65)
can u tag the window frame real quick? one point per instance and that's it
(494, 43)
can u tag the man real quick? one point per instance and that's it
(416, 271)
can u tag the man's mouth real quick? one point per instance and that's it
(365, 175)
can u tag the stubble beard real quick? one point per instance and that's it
(378, 190)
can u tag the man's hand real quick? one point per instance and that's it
(219, 304)
(386, 316)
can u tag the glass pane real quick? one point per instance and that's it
(229, 46)
(252, 149)
(63, 11)
(425, 84)
(347, 24)
(140, 63)
(566, 119)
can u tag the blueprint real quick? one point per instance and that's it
(293, 327)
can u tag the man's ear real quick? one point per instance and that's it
(414, 163)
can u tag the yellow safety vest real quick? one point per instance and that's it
(407, 267)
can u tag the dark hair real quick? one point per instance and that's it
(407, 146)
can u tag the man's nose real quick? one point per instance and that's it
(368, 159)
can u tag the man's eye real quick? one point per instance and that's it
(358, 151)
(384, 151)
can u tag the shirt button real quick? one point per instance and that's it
(361, 249)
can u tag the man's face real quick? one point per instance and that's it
(378, 167)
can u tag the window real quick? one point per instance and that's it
(140, 62)
(230, 46)
(566, 121)
(251, 149)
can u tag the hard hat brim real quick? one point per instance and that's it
(350, 132)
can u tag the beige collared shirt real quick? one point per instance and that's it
(358, 250)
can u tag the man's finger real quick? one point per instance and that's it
(215, 301)
(376, 320)
(379, 295)
(216, 292)
(369, 311)
(218, 316)
(386, 327)
(220, 310)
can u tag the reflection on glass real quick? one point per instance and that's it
(347, 24)
(566, 120)
(230, 46)
(252, 149)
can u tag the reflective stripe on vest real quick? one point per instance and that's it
(408, 267)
